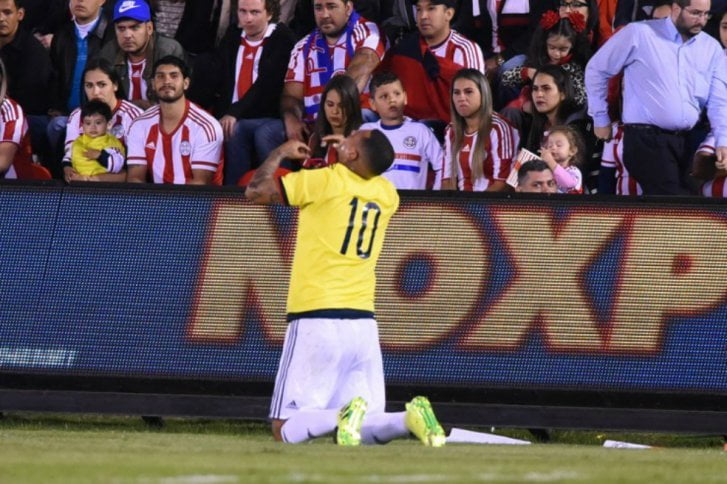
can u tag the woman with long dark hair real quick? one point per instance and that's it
(101, 82)
(554, 103)
(339, 114)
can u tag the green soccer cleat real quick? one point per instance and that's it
(421, 421)
(350, 419)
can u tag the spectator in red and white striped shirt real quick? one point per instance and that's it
(479, 144)
(612, 165)
(175, 141)
(15, 154)
(251, 63)
(426, 61)
(433, 21)
(342, 43)
(706, 167)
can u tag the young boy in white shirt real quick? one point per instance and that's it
(415, 146)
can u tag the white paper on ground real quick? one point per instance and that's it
(615, 444)
(462, 436)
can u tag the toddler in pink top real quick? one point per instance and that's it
(563, 152)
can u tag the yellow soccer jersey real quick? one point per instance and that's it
(85, 166)
(341, 227)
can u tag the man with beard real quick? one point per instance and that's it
(342, 43)
(672, 71)
(175, 141)
(137, 47)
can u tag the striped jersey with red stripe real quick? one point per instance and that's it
(306, 71)
(716, 188)
(493, 8)
(497, 163)
(461, 51)
(195, 144)
(248, 62)
(612, 157)
(14, 129)
(122, 117)
(514, 12)
(137, 85)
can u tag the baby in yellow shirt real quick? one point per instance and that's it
(96, 152)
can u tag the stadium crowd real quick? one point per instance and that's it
(626, 97)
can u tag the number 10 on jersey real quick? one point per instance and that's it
(364, 225)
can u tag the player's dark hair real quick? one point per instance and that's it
(382, 79)
(377, 151)
(105, 66)
(528, 166)
(18, 4)
(682, 3)
(96, 107)
(172, 60)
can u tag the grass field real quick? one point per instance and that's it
(73, 449)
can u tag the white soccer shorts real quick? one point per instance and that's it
(327, 362)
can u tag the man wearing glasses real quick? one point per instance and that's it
(672, 70)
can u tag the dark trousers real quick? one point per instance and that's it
(658, 159)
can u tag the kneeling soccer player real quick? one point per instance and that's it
(330, 376)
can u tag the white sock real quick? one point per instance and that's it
(380, 428)
(309, 424)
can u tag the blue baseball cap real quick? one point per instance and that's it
(132, 9)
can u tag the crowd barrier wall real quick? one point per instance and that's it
(515, 302)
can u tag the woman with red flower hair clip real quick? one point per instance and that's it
(557, 41)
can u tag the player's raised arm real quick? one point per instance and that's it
(263, 188)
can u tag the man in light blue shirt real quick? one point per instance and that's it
(672, 70)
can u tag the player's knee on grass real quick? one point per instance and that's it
(276, 427)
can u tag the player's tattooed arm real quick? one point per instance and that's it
(263, 187)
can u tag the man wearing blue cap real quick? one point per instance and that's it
(136, 49)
